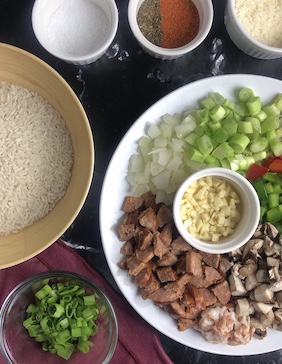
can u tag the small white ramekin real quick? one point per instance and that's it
(250, 211)
(205, 9)
(44, 12)
(243, 40)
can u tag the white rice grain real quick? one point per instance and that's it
(36, 158)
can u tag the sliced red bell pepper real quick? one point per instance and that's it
(256, 171)
(276, 166)
(269, 160)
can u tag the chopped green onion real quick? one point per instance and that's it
(62, 318)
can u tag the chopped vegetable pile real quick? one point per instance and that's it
(62, 318)
(221, 133)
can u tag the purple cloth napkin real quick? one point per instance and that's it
(138, 342)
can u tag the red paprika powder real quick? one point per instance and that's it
(179, 22)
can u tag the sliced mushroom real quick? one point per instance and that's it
(262, 275)
(260, 330)
(274, 274)
(276, 287)
(268, 246)
(270, 230)
(261, 307)
(247, 270)
(225, 264)
(236, 286)
(278, 316)
(262, 293)
(243, 307)
(253, 245)
(272, 262)
(251, 282)
(267, 319)
(236, 255)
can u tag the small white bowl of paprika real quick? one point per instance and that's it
(216, 210)
(169, 29)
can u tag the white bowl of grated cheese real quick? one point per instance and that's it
(255, 27)
(77, 31)
(216, 210)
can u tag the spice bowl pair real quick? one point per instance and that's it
(224, 183)
(21, 345)
(203, 21)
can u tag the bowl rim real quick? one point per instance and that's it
(232, 11)
(92, 56)
(248, 192)
(132, 18)
(57, 274)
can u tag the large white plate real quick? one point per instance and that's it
(115, 188)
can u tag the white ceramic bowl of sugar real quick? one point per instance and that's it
(249, 208)
(77, 31)
(258, 17)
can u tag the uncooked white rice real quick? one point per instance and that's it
(36, 157)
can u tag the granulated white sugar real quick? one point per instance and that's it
(77, 27)
(262, 19)
(36, 158)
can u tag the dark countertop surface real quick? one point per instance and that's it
(114, 91)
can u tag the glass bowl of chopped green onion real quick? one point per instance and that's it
(216, 210)
(58, 316)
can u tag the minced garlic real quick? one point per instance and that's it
(210, 209)
(262, 19)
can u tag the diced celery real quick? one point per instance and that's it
(271, 123)
(271, 109)
(225, 163)
(241, 109)
(234, 164)
(258, 145)
(242, 162)
(245, 94)
(220, 135)
(217, 113)
(195, 155)
(212, 161)
(218, 98)
(214, 125)
(192, 139)
(245, 127)
(260, 156)
(254, 105)
(205, 145)
(201, 129)
(278, 101)
(276, 147)
(262, 115)
(227, 104)
(223, 151)
(208, 103)
(239, 142)
(230, 124)
(202, 115)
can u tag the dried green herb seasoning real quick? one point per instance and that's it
(149, 21)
